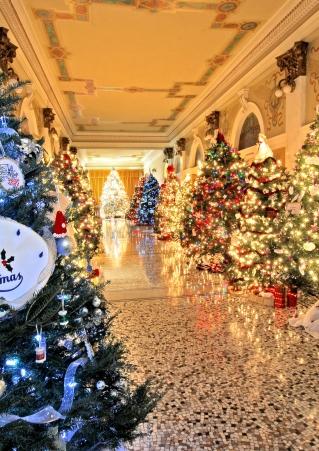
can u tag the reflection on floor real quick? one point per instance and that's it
(233, 376)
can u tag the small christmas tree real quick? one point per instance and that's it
(114, 200)
(167, 213)
(297, 262)
(211, 217)
(258, 220)
(132, 214)
(148, 202)
(72, 180)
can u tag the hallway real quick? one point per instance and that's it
(232, 375)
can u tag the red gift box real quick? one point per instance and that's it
(283, 296)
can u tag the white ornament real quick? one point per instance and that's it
(31, 149)
(291, 190)
(2, 387)
(309, 246)
(293, 207)
(24, 263)
(314, 189)
(96, 302)
(312, 160)
(11, 176)
(302, 269)
(100, 385)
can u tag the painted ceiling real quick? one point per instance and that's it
(126, 66)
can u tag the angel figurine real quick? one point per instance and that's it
(264, 151)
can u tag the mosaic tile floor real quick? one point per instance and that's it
(232, 374)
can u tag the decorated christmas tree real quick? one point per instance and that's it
(114, 200)
(72, 180)
(211, 216)
(63, 378)
(183, 201)
(297, 262)
(254, 242)
(148, 202)
(167, 213)
(132, 214)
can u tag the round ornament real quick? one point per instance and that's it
(96, 302)
(98, 312)
(84, 311)
(11, 176)
(309, 246)
(100, 385)
(25, 263)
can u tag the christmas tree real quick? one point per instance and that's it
(72, 180)
(132, 214)
(259, 227)
(63, 378)
(114, 200)
(183, 201)
(211, 217)
(297, 261)
(167, 213)
(148, 202)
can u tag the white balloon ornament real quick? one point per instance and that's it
(25, 264)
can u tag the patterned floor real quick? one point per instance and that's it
(232, 374)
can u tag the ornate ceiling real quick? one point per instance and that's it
(135, 66)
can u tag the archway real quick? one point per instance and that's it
(247, 124)
(197, 153)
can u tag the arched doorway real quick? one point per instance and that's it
(249, 132)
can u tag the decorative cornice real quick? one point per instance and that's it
(286, 21)
(291, 16)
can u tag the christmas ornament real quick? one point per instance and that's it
(25, 263)
(302, 269)
(96, 302)
(291, 190)
(41, 349)
(312, 160)
(63, 320)
(2, 387)
(4, 129)
(294, 208)
(84, 311)
(31, 149)
(98, 312)
(100, 385)
(309, 246)
(11, 176)
(314, 190)
(63, 242)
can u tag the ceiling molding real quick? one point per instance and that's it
(291, 16)
(287, 20)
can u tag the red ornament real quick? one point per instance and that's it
(59, 228)
(170, 169)
(94, 273)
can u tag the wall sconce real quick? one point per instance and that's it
(294, 64)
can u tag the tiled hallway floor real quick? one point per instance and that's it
(232, 374)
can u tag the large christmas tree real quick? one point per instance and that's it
(114, 200)
(132, 214)
(73, 181)
(63, 378)
(297, 261)
(167, 213)
(252, 244)
(148, 202)
(211, 217)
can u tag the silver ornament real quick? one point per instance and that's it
(100, 385)
(98, 312)
(84, 311)
(96, 302)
